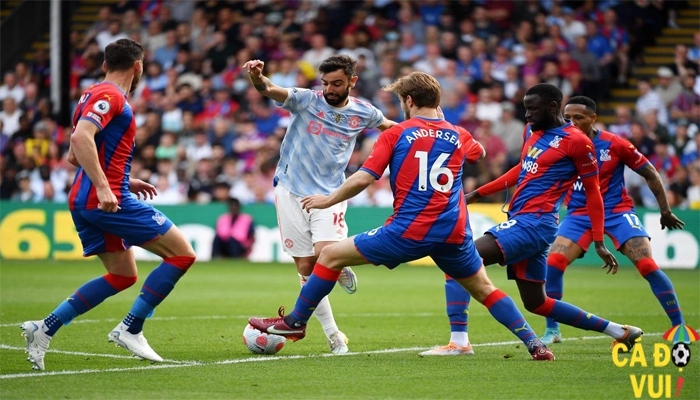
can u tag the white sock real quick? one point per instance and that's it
(323, 312)
(459, 338)
(615, 330)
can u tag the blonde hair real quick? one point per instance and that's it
(423, 89)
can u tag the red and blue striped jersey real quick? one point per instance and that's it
(106, 106)
(613, 153)
(551, 161)
(425, 158)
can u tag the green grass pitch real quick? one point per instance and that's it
(392, 317)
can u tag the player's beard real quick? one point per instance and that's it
(339, 99)
(135, 82)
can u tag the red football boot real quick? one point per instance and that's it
(277, 326)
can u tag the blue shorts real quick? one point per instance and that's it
(524, 240)
(135, 224)
(620, 227)
(379, 246)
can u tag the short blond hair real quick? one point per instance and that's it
(423, 89)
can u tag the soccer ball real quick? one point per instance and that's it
(680, 354)
(261, 342)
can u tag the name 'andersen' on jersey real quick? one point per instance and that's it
(425, 159)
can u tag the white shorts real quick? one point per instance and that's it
(300, 230)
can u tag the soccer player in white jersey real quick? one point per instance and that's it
(315, 152)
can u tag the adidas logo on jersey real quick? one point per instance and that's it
(555, 142)
(605, 155)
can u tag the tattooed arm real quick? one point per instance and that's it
(668, 220)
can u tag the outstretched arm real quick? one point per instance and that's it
(509, 179)
(350, 188)
(262, 84)
(668, 220)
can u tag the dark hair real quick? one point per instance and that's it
(340, 61)
(585, 101)
(232, 201)
(122, 54)
(547, 92)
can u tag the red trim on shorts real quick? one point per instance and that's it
(503, 253)
(546, 308)
(326, 273)
(493, 298)
(113, 243)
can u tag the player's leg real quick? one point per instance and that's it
(562, 253)
(457, 306)
(304, 235)
(325, 275)
(178, 256)
(465, 267)
(489, 249)
(535, 300)
(121, 274)
(638, 250)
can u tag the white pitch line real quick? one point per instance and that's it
(342, 315)
(82, 353)
(254, 359)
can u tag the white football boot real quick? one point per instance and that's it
(37, 342)
(348, 280)
(338, 343)
(135, 343)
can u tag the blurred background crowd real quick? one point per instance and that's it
(204, 134)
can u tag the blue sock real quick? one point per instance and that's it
(457, 300)
(666, 294)
(503, 309)
(159, 283)
(87, 297)
(662, 288)
(569, 314)
(555, 290)
(319, 285)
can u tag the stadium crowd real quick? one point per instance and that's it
(205, 134)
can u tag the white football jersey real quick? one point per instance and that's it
(320, 140)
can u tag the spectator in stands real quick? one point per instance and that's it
(10, 88)
(318, 52)
(113, 33)
(650, 101)
(486, 108)
(165, 55)
(681, 139)
(433, 63)
(668, 88)
(591, 76)
(623, 122)
(694, 189)
(9, 116)
(510, 130)
(571, 29)
(410, 51)
(639, 137)
(235, 233)
(682, 65)
(104, 16)
(658, 132)
(682, 106)
(619, 41)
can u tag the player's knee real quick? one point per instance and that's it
(646, 266)
(182, 262)
(120, 282)
(558, 261)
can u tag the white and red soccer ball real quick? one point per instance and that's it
(261, 342)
